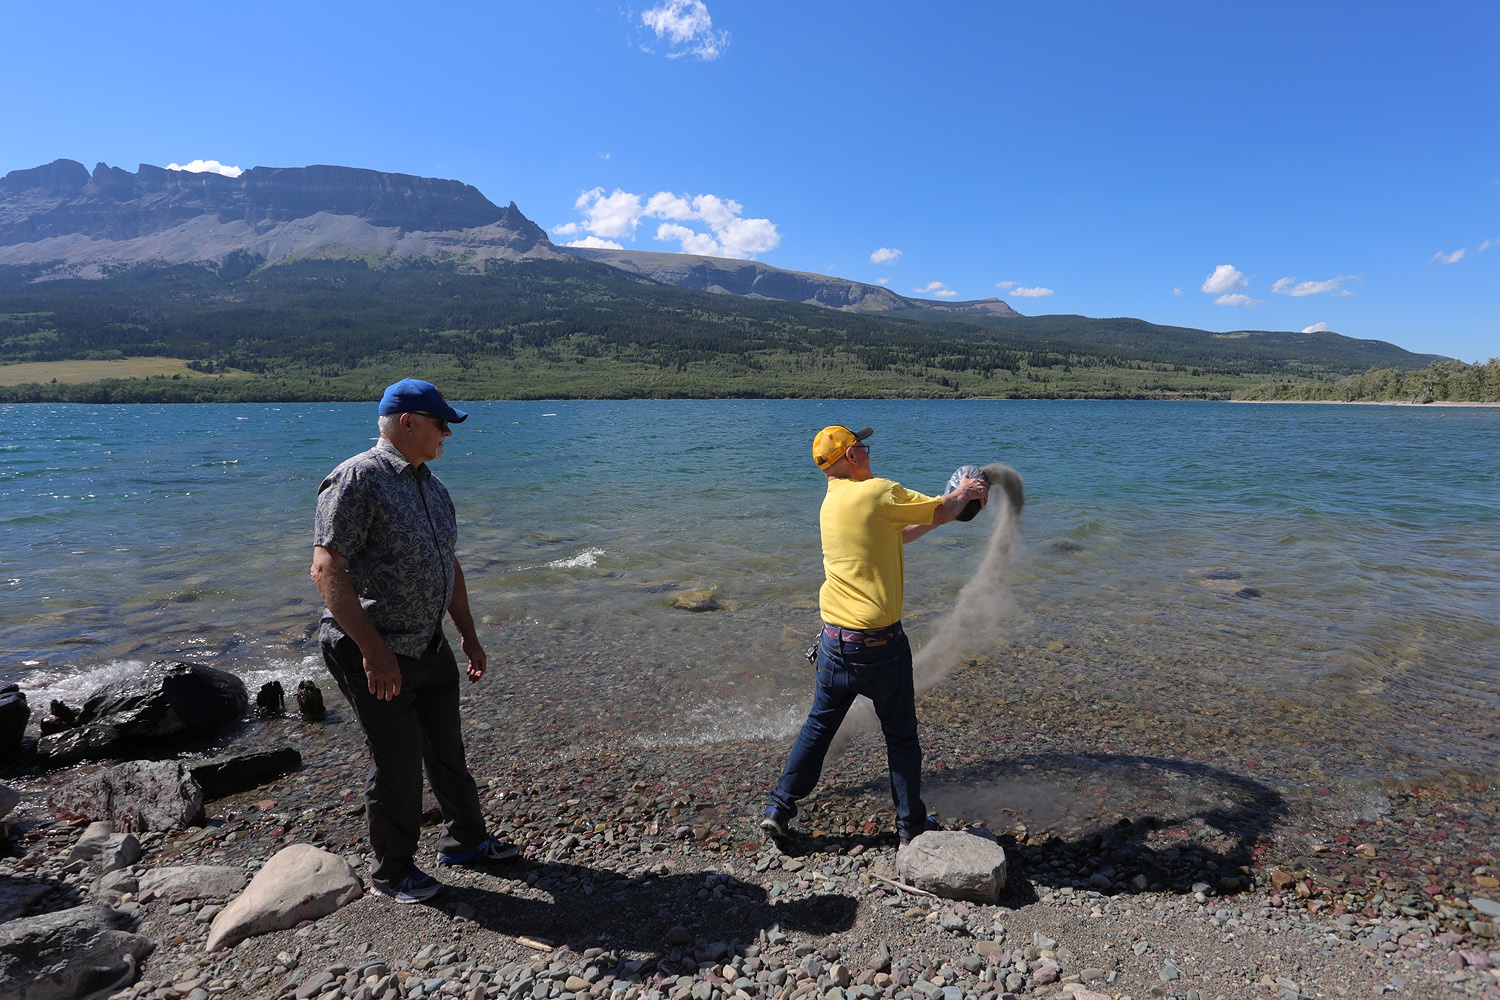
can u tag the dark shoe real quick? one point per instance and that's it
(930, 824)
(488, 850)
(773, 826)
(413, 887)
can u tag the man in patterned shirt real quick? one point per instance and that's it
(384, 561)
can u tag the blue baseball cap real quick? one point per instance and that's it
(412, 395)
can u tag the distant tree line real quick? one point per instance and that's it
(1439, 382)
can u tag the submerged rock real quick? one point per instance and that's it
(695, 600)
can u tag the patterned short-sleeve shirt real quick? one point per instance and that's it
(395, 523)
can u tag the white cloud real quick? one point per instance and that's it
(1177, 290)
(1316, 328)
(206, 167)
(701, 224)
(1236, 299)
(1487, 244)
(882, 281)
(687, 28)
(1297, 289)
(1449, 258)
(937, 288)
(1226, 278)
(691, 240)
(885, 255)
(596, 243)
(1016, 288)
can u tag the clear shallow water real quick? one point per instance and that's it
(1319, 585)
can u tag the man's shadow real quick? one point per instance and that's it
(1117, 824)
(682, 920)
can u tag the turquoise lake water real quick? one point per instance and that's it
(1337, 565)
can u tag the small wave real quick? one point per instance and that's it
(42, 686)
(586, 559)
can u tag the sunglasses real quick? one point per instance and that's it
(442, 425)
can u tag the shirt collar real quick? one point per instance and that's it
(398, 461)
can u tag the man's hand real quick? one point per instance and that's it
(974, 488)
(383, 673)
(478, 661)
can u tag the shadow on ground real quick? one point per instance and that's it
(682, 920)
(1112, 823)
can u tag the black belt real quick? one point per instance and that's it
(866, 637)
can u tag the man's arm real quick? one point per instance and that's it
(468, 638)
(330, 573)
(950, 505)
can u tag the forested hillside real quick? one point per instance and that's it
(341, 329)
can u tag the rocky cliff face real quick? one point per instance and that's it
(81, 223)
(67, 222)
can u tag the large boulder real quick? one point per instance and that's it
(87, 951)
(165, 703)
(955, 864)
(132, 797)
(14, 714)
(300, 882)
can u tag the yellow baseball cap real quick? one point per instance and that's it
(831, 442)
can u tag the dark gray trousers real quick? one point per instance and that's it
(424, 714)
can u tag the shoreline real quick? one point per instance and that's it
(642, 876)
(1367, 402)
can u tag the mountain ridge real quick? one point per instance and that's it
(61, 221)
(74, 223)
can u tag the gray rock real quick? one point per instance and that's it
(104, 849)
(134, 797)
(83, 952)
(967, 864)
(208, 881)
(1488, 907)
(299, 883)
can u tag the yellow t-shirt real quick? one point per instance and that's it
(864, 566)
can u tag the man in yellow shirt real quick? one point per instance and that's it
(865, 521)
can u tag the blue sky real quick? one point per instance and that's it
(1277, 166)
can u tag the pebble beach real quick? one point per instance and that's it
(642, 874)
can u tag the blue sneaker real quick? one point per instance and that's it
(487, 851)
(413, 887)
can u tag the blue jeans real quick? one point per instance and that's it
(882, 674)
